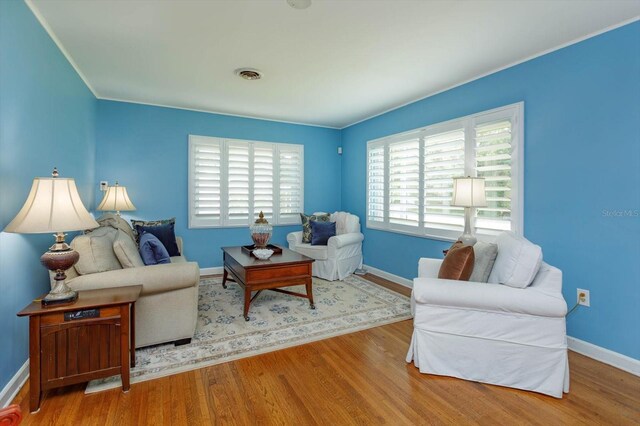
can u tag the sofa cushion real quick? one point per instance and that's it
(314, 252)
(458, 263)
(517, 263)
(126, 251)
(165, 233)
(485, 256)
(96, 251)
(152, 250)
(321, 232)
(117, 222)
(306, 225)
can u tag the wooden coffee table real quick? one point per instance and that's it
(280, 270)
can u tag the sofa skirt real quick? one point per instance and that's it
(336, 269)
(517, 351)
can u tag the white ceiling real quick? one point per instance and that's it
(333, 64)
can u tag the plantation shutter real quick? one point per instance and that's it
(444, 159)
(205, 181)
(493, 147)
(375, 184)
(404, 182)
(263, 172)
(291, 183)
(410, 175)
(238, 187)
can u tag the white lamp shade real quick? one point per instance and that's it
(468, 192)
(116, 199)
(53, 205)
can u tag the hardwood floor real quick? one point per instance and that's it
(359, 378)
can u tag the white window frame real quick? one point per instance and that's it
(513, 112)
(196, 222)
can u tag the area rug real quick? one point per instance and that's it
(276, 321)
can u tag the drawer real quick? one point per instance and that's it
(279, 273)
(56, 318)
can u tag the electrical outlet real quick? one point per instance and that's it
(104, 185)
(583, 297)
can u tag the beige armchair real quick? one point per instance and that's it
(167, 309)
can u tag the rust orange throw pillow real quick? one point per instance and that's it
(458, 263)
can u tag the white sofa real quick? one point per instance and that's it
(491, 333)
(343, 253)
(167, 309)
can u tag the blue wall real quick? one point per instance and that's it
(582, 157)
(582, 167)
(145, 148)
(46, 120)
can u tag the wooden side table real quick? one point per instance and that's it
(89, 339)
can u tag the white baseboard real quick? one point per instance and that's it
(388, 276)
(15, 384)
(217, 270)
(615, 359)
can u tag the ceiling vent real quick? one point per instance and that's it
(249, 73)
(299, 4)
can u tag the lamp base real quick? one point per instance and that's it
(468, 239)
(59, 299)
(58, 259)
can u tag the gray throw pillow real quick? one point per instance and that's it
(486, 254)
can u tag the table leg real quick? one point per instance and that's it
(124, 346)
(247, 302)
(34, 363)
(308, 286)
(224, 278)
(132, 328)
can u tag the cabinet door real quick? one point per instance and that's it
(73, 352)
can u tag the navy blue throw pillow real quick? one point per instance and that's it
(166, 235)
(321, 232)
(152, 250)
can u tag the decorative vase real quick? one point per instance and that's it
(261, 232)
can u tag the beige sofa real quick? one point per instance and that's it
(167, 309)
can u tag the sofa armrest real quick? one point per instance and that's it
(338, 241)
(344, 243)
(429, 268)
(153, 278)
(294, 238)
(487, 297)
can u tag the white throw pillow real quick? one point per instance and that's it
(517, 263)
(126, 251)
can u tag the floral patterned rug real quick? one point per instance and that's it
(276, 321)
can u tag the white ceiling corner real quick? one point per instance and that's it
(334, 64)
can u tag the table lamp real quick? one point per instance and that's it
(54, 205)
(468, 192)
(116, 199)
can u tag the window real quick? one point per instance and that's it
(410, 175)
(232, 181)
